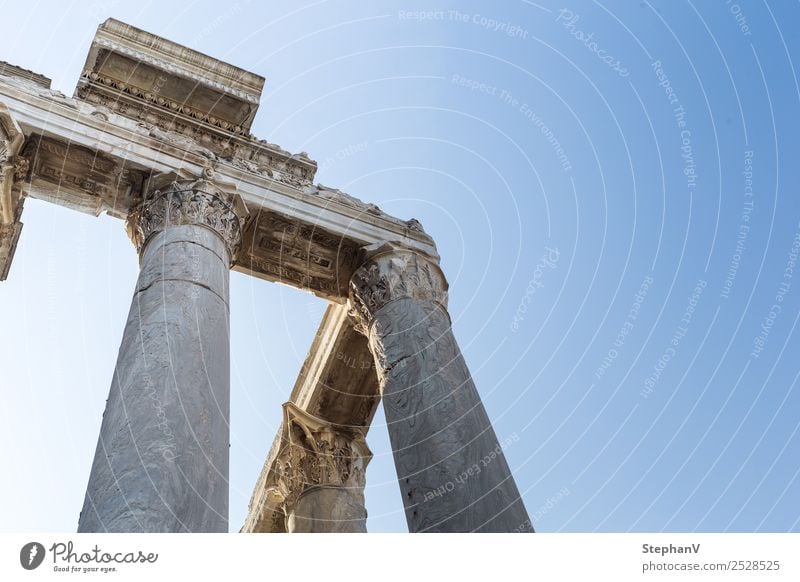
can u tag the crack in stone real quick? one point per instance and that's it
(393, 365)
(202, 246)
(179, 280)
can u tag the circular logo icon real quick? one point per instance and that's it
(31, 555)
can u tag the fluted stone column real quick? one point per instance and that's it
(452, 471)
(321, 475)
(161, 463)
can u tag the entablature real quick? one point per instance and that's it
(97, 155)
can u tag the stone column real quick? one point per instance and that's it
(321, 475)
(161, 463)
(452, 471)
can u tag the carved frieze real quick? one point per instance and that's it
(76, 177)
(237, 148)
(298, 254)
(9, 70)
(336, 195)
(157, 99)
(5, 155)
(184, 98)
(146, 105)
(21, 167)
(267, 160)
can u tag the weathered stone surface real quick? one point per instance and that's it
(145, 105)
(162, 457)
(144, 76)
(338, 386)
(452, 471)
(318, 476)
(9, 237)
(197, 202)
(329, 510)
(13, 169)
(146, 108)
(9, 70)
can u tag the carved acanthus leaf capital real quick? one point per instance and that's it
(390, 272)
(187, 202)
(21, 167)
(316, 453)
(11, 136)
(11, 141)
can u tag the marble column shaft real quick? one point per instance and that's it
(328, 510)
(452, 471)
(162, 457)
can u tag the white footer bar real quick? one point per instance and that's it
(414, 558)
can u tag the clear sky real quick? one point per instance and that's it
(613, 190)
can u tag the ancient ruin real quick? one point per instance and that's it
(158, 135)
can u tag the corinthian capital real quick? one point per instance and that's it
(390, 272)
(316, 453)
(186, 202)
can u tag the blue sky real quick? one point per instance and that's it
(612, 188)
